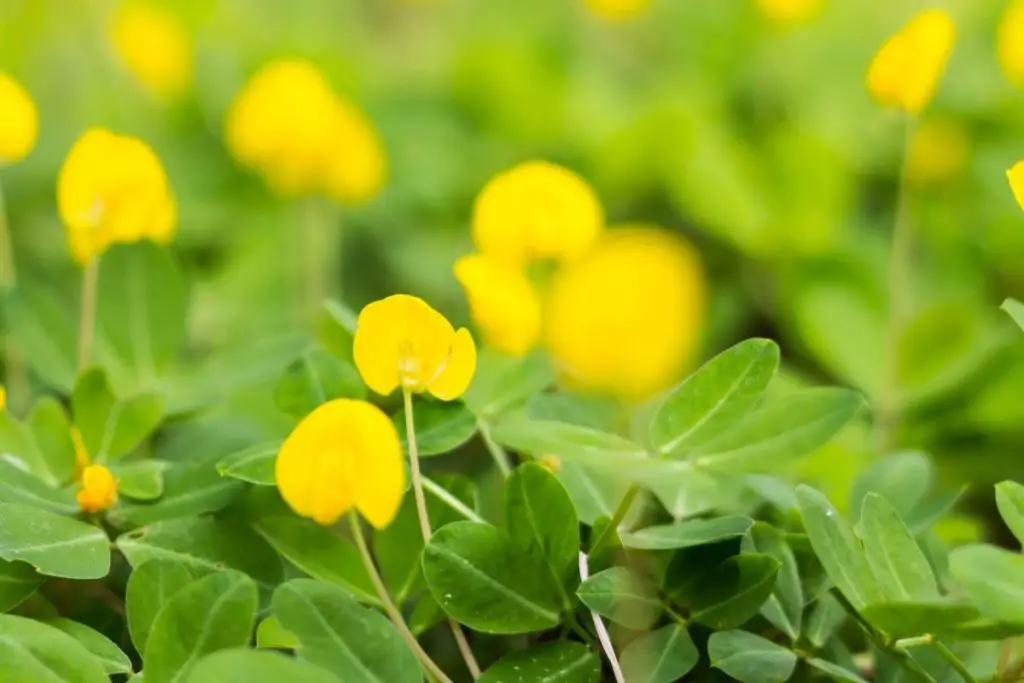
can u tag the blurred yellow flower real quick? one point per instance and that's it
(289, 126)
(19, 121)
(536, 211)
(345, 454)
(154, 46)
(938, 151)
(3, 399)
(790, 11)
(99, 489)
(906, 70)
(503, 302)
(1016, 176)
(112, 188)
(1010, 42)
(617, 9)
(625, 320)
(402, 341)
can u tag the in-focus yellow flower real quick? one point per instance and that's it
(790, 11)
(99, 489)
(1016, 176)
(345, 454)
(154, 46)
(289, 126)
(112, 188)
(625, 320)
(1010, 42)
(938, 151)
(906, 71)
(617, 9)
(19, 121)
(536, 211)
(402, 341)
(503, 302)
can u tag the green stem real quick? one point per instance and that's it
(501, 458)
(451, 501)
(87, 319)
(617, 518)
(954, 662)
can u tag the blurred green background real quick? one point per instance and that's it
(755, 139)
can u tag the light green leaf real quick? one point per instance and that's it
(895, 558)
(992, 578)
(561, 662)
(21, 487)
(319, 553)
(213, 613)
(110, 655)
(314, 378)
(715, 397)
(54, 545)
(622, 596)
(51, 428)
(662, 656)
(336, 328)
(343, 637)
(502, 382)
(34, 652)
(254, 666)
(837, 549)
(688, 534)
(253, 464)
(270, 634)
(189, 489)
(140, 480)
(19, 448)
(835, 671)
(750, 658)
(904, 619)
(486, 582)
(594, 492)
(901, 478)
(440, 427)
(569, 442)
(824, 620)
(46, 331)
(586, 411)
(1010, 501)
(150, 586)
(112, 427)
(1016, 311)
(205, 545)
(786, 428)
(784, 607)
(18, 581)
(733, 593)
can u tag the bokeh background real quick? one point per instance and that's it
(742, 125)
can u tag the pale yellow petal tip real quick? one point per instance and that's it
(99, 489)
(458, 371)
(154, 46)
(503, 302)
(1016, 178)
(906, 71)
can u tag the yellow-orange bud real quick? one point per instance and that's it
(99, 489)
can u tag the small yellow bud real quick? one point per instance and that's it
(19, 121)
(99, 489)
(1016, 176)
(1010, 42)
(154, 46)
(617, 10)
(790, 12)
(906, 70)
(550, 463)
(502, 301)
(938, 151)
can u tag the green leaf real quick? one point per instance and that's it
(735, 591)
(21, 487)
(992, 578)
(54, 545)
(750, 658)
(319, 553)
(253, 464)
(895, 558)
(270, 634)
(20, 449)
(824, 620)
(189, 489)
(1016, 311)
(17, 582)
(486, 582)
(903, 619)
(502, 382)
(112, 427)
(784, 607)
(110, 655)
(150, 586)
(140, 480)
(786, 428)
(835, 671)
(336, 328)
(586, 411)
(1010, 501)
(837, 549)
(986, 630)
(213, 613)
(51, 428)
(715, 397)
(46, 331)
(569, 442)
(622, 596)
(662, 656)
(539, 517)
(688, 534)
(254, 666)
(594, 492)
(34, 652)
(440, 427)
(902, 479)
(314, 378)
(561, 662)
(343, 637)
(205, 545)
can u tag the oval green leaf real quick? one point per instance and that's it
(735, 591)
(688, 534)
(314, 378)
(150, 587)
(622, 596)
(563, 662)
(441, 427)
(114, 660)
(54, 545)
(750, 658)
(34, 652)
(253, 666)
(253, 464)
(662, 656)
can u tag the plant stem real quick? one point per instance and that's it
(954, 662)
(619, 515)
(498, 453)
(320, 242)
(389, 607)
(87, 320)
(17, 373)
(602, 632)
(421, 512)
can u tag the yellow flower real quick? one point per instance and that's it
(1016, 176)
(345, 454)
(536, 211)
(938, 151)
(906, 71)
(790, 11)
(112, 188)
(1010, 42)
(289, 126)
(99, 489)
(625, 320)
(502, 301)
(154, 46)
(402, 341)
(19, 121)
(3, 399)
(617, 9)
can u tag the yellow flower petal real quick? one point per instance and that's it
(790, 11)
(99, 489)
(357, 166)
(458, 371)
(19, 121)
(380, 469)
(153, 45)
(504, 304)
(906, 71)
(1010, 42)
(1016, 177)
(617, 10)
